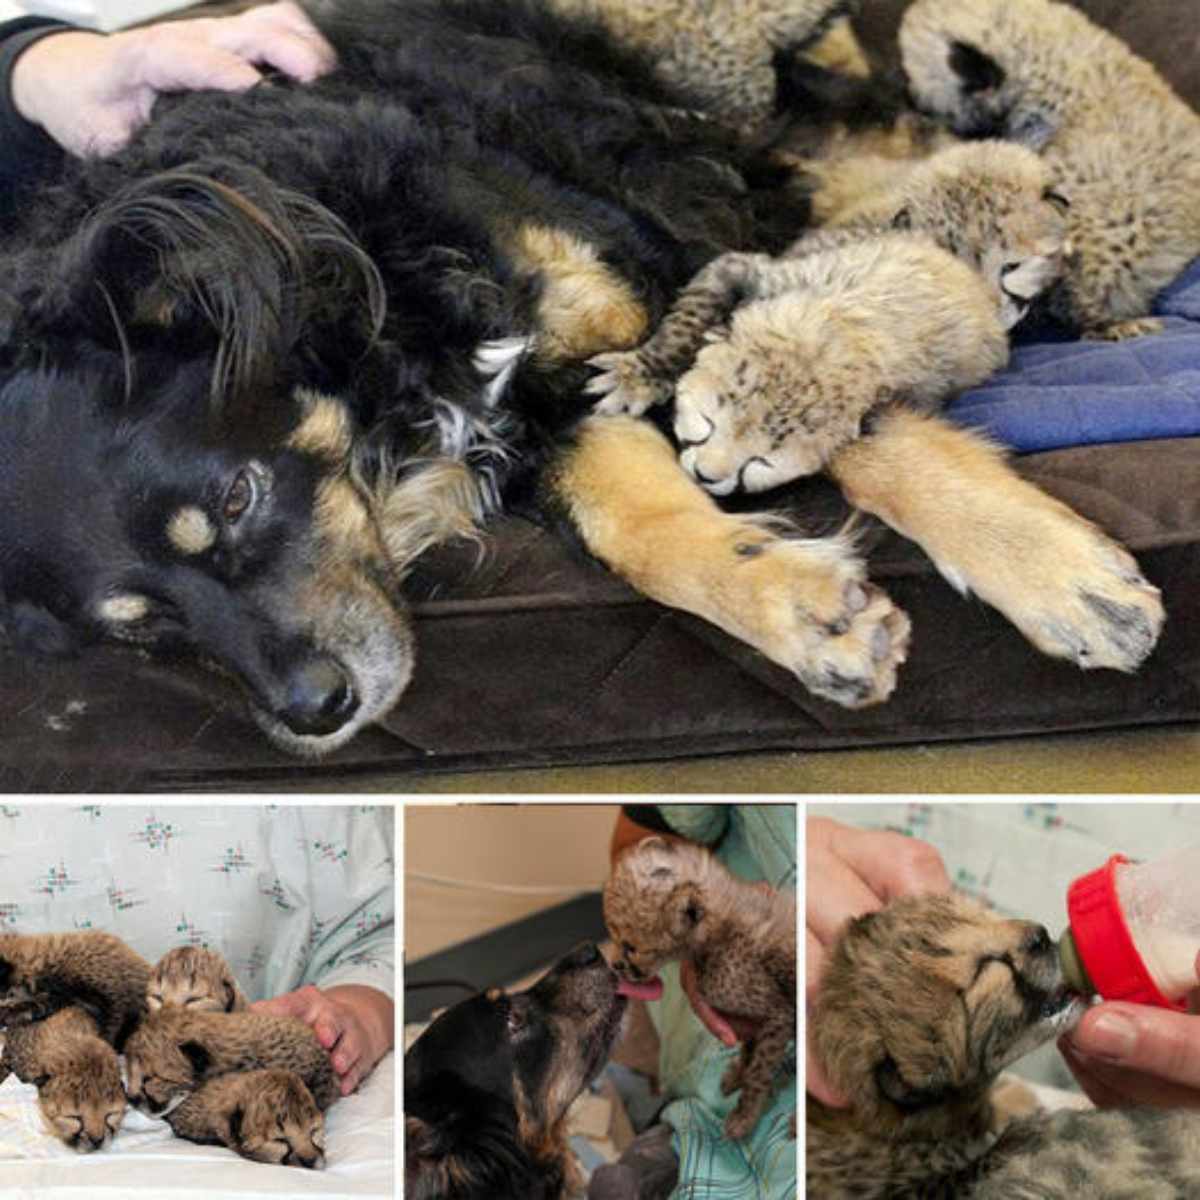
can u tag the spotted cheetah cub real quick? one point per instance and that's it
(669, 900)
(267, 1115)
(1121, 145)
(723, 57)
(174, 1051)
(92, 969)
(921, 1006)
(909, 301)
(76, 1073)
(197, 978)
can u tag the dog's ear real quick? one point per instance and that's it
(977, 71)
(197, 1055)
(685, 909)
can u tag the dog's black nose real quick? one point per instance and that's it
(319, 699)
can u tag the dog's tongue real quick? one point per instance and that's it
(651, 989)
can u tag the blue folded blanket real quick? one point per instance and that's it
(1070, 393)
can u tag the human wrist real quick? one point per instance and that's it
(34, 73)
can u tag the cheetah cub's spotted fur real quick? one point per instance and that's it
(267, 1115)
(671, 900)
(724, 58)
(907, 301)
(1121, 145)
(93, 969)
(197, 978)
(174, 1051)
(76, 1073)
(921, 1006)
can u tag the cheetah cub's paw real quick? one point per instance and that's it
(625, 384)
(1124, 331)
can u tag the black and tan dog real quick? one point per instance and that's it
(256, 364)
(487, 1086)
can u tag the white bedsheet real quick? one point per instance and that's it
(146, 1159)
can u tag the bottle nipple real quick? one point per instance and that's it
(1074, 972)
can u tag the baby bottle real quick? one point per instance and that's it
(1135, 930)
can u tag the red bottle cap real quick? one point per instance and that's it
(1104, 941)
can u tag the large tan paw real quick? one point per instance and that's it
(809, 608)
(625, 385)
(1082, 597)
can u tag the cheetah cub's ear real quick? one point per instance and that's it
(685, 910)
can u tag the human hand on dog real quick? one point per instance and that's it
(1132, 1055)
(851, 872)
(92, 92)
(354, 1023)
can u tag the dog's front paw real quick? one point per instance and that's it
(624, 385)
(809, 608)
(1103, 613)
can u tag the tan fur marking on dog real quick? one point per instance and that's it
(838, 49)
(325, 429)
(191, 531)
(124, 607)
(438, 502)
(585, 306)
(1070, 589)
(802, 603)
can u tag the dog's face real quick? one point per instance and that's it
(258, 554)
(923, 1003)
(487, 1085)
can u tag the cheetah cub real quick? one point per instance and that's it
(672, 900)
(267, 1115)
(92, 969)
(76, 1073)
(779, 362)
(1119, 142)
(174, 1051)
(197, 978)
(921, 1006)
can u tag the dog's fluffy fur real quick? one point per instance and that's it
(668, 900)
(173, 1052)
(197, 978)
(267, 1115)
(1122, 146)
(93, 970)
(802, 348)
(921, 1005)
(77, 1075)
(488, 1084)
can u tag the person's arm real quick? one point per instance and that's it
(850, 872)
(90, 92)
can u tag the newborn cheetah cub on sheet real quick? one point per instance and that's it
(197, 978)
(669, 900)
(76, 1073)
(174, 1051)
(921, 1006)
(775, 363)
(267, 1115)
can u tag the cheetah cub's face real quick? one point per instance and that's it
(994, 206)
(924, 1002)
(652, 904)
(276, 1120)
(194, 977)
(84, 1106)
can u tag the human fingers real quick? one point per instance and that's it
(835, 891)
(1152, 1042)
(279, 36)
(180, 58)
(889, 863)
(1113, 1087)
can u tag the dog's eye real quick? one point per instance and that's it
(242, 493)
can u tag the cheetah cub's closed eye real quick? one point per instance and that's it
(921, 1006)
(670, 900)
(197, 978)
(267, 1115)
(76, 1073)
